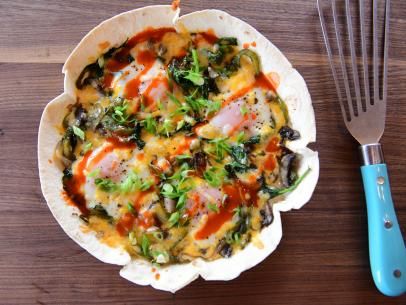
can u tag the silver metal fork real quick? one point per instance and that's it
(366, 124)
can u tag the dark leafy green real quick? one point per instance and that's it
(288, 133)
(184, 72)
(240, 154)
(274, 192)
(224, 46)
(253, 140)
(90, 73)
(236, 61)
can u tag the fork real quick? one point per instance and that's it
(387, 251)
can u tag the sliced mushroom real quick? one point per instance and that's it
(80, 116)
(95, 115)
(90, 72)
(224, 249)
(266, 215)
(199, 162)
(288, 133)
(59, 157)
(285, 170)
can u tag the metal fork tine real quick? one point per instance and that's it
(353, 57)
(368, 124)
(375, 50)
(342, 61)
(364, 54)
(330, 59)
(385, 52)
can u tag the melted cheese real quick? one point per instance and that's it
(105, 232)
(174, 44)
(244, 77)
(88, 94)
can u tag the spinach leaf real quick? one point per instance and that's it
(188, 74)
(136, 136)
(239, 154)
(253, 140)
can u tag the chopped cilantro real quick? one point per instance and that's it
(195, 75)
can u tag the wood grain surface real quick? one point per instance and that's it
(323, 256)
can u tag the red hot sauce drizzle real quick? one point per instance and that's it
(73, 193)
(121, 60)
(147, 59)
(237, 194)
(209, 36)
(125, 224)
(261, 81)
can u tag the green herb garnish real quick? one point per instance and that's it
(131, 183)
(87, 147)
(195, 75)
(233, 237)
(240, 137)
(244, 110)
(150, 124)
(214, 176)
(167, 127)
(183, 157)
(220, 148)
(181, 201)
(237, 211)
(145, 245)
(160, 257)
(106, 184)
(213, 207)
(131, 208)
(174, 218)
(78, 132)
(120, 114)
(158, 235)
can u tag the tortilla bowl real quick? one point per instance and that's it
(292, 89)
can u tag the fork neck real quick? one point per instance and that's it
(372, 154)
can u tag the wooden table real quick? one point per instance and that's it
(323, 257)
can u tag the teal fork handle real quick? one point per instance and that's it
(387, 251)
